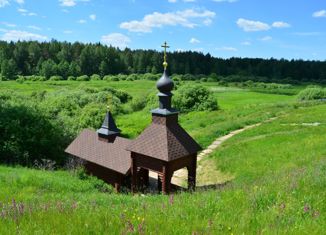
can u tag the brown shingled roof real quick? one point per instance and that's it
(164, 142)
(110, 155)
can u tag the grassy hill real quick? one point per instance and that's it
(279, 187)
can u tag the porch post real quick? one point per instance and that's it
(192, 173)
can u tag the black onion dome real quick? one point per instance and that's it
(165, 84)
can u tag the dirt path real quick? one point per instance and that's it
(180, 176)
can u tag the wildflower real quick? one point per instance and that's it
(21, 208)
(306, 208)
(130, 226)
(282, 206)
(74, 205)
(171, 199)
(315, 214)
(210, 223)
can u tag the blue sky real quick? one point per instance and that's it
(224, 28)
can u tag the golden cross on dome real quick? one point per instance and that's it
(165, 64)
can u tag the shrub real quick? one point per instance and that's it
(95, 77)
(194, 98)
(213, 77)
(20, 79)
(120, 77)
(91, 116)
(56, 78)
(210, 79)
(133, 77)
(27, 135)
(138, 103)
(313, 93)
(71, 78)
(42, 78)
(83, 78)
(150, 76)
(123, 96)
(203, 79)
(110, 78)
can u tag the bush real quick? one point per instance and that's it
(83, 78)
(110, 78)
(20, 79)
(123, 96)
(27, 135)
(120, 77)
(150, 76)
(133, 77)
(312, 93)
(91, 116)
(194, 98)
(95, 77)
(138, 103)
(56, 78)
(42, 78)
(71, 78)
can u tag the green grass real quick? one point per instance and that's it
(278, 171)
(135, 88)
(279, 188)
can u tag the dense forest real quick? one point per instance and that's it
(75, 59)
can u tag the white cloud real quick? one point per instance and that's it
(70, 3)
(67, 3)
(321, 13)
(8, 24)
(246, 43)
(194, 40)
(207, 22)
(116, 40)
(92, 17)
(174, 1)
(15, 35)
(266, 38)
(33, 27)
(67, 31)
(250, 25)
(230, 1)
(226, 49)
(280, 24)
(22, 10)
(25, 12)
(81, 21)
(3, 3)
(188, 18)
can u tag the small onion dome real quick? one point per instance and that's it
(165, 84)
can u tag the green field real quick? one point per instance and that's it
(278, 169)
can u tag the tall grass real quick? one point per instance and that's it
(279, 188)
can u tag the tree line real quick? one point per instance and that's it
(75, 59)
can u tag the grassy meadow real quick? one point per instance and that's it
(278, 171)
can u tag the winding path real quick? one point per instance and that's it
(180, 176)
